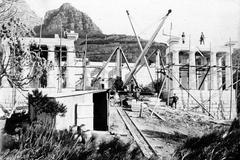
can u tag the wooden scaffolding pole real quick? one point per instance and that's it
(60, 67)
(169, 70)
(210, 77)
(140, 45)
(104, 66)
(125, 58)
(145, 50)
(236, 94)
(85, 64)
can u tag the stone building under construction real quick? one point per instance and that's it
(199, 75)
(201, 78)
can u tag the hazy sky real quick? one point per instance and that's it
(217, 19)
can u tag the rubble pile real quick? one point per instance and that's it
(219, 144)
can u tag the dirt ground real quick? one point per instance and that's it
(167, 133)
(116, 124)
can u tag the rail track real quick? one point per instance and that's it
(146, 148)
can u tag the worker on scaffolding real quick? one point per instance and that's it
(202, 37)
(183, 37)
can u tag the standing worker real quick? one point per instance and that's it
(183, 37)
(132, 86)
(202, 37)
(174, 100)
(102, 84)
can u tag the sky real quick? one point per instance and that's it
(219, 20)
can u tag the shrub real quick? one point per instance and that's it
(43, 142)
(42, 104)
(222, 144)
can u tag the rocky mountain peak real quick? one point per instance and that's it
(69, 18)
(66, 6)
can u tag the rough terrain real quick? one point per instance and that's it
(172, 130)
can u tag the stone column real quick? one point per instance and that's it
(157, 63)
(228, 71)
(118, 63)
(192, 70)
(70, 71)
(205, 83)
(213, 59)
(168, 61)
(175, 69)
(219, 73)
(53, 69)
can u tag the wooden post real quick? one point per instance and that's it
(230, 44)
(84, 65)
(60, 67)
(231, 76)
(210, 77)
(188, 84)
(125, 58)
(141, 110)
(169, 70)
(75, 114)
(236, 94)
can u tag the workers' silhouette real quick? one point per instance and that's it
(174, 100)
(183, 37)
(202, 37)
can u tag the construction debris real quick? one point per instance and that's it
(221, 144)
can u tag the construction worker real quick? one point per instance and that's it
(137, 93)
(183, 37)
(102, 84)
(118, 84)
(174, 100)
(132, 86)
(202, 37)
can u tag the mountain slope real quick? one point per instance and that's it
(26, 15)
(70, 18)
(100, 47)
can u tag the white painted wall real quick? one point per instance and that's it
(84, 102)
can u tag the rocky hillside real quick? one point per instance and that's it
(19, 9)
(100, 47)
(24, 12)
(71, 18)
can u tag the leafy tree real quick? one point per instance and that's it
(6, 10)
(17, 64)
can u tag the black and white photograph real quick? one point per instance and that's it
(119, 79)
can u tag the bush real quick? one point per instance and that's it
(17, 120)
(223, 144)
(42, 142)
(42, 104)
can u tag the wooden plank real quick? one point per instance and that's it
(136, 134)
